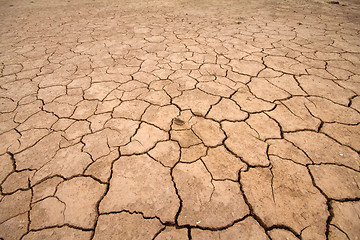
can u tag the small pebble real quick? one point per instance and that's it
(178, 121)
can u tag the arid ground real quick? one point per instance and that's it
(179, 119)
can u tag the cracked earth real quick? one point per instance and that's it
(179, 119)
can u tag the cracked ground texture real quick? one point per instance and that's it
(179, 119)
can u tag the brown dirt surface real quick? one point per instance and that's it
(164, 119)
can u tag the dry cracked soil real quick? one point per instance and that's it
(179, 119)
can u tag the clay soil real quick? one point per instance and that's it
(179, 119)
